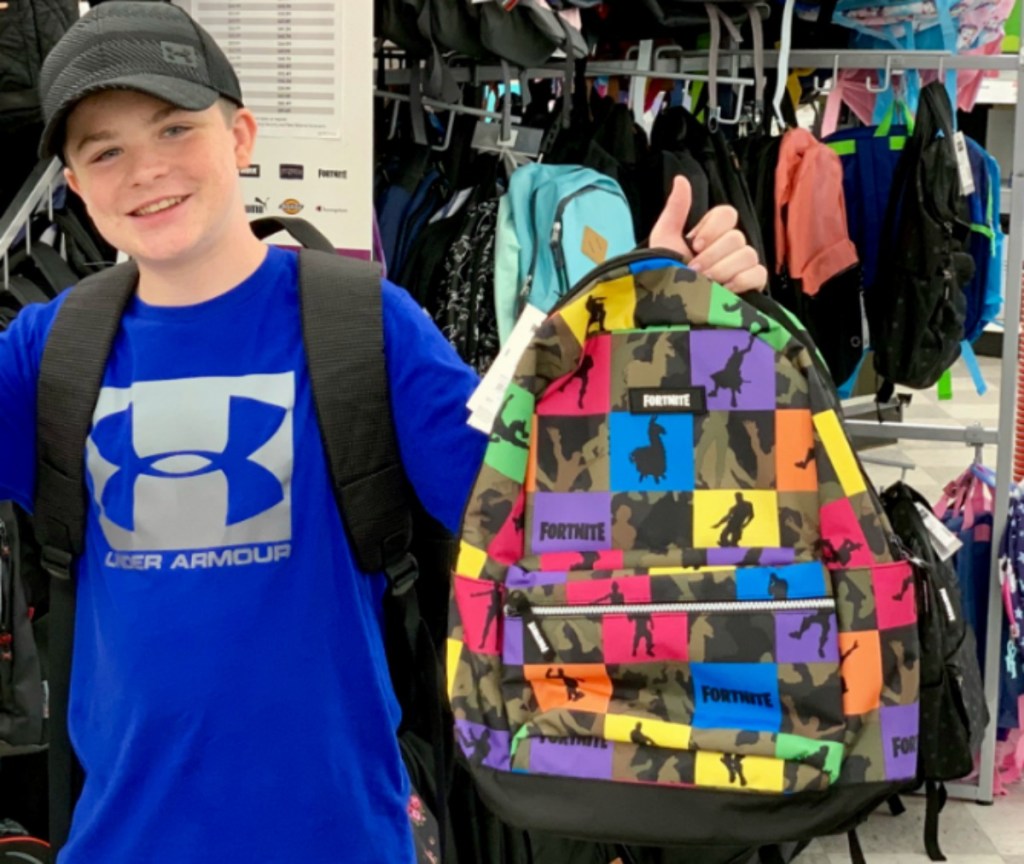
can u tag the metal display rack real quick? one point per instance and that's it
(658, 64)
(37, 189)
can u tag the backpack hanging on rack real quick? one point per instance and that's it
(24, 687)
(917, 307)
(565, 220)
(28, 30)
(953, 710)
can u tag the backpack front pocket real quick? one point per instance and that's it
(595, 664)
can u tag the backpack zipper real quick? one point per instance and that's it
(518, 605)
(615, 263)
(556, 233)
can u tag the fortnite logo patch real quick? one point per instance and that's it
(193, 464)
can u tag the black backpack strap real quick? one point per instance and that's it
(343, 330)
(935, 801)
(856, 852)
(345, 350)
(69, 383)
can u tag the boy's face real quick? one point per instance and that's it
(161, 183)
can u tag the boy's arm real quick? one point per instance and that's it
(430, 386)
(21, 350)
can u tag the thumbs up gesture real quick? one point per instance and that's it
(715, 247)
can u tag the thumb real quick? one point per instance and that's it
(668, 230)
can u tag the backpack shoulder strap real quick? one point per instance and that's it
(343, 329)
(70, 377)
(69, 384)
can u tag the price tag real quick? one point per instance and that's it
(963, 164)
(486, 401)
(944, 541)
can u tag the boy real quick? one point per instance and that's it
(227, 707)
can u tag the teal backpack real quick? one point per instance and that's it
(564, 220)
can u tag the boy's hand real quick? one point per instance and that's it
(716, 247)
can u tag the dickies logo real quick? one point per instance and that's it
(195, 463)
(291, 206)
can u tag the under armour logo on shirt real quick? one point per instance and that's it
(195, 463)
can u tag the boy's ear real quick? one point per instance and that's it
(243, 128)
(72, 180)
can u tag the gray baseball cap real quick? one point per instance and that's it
(151, 47)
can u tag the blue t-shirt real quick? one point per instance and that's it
(230, 697)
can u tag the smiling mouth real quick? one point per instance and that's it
(159, 206)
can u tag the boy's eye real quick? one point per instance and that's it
(106, 155)
(176, 130)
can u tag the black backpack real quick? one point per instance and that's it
(954, 714)
(28, 30)
(917, 307)
(23, 644)
(341, 317)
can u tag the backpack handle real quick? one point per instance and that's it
(299, 229)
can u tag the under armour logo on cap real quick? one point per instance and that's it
(179, 55)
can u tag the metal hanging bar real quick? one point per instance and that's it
(973, 434)
(38, 187)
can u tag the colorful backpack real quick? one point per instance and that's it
(677, 613)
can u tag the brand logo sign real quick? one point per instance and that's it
(178, 54)
(330, 174)
(683, 400)
(258, 207)
(292, 172)
(194, 464)
(321, 208)
(291, 206)
(249, 171)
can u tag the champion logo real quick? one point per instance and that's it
(199, 463)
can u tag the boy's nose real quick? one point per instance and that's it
(147, 167)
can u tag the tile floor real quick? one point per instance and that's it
(970, 833)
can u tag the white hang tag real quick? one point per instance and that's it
(963, 164)
(486, 401)
(944, 541)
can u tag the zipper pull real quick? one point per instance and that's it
(519, 606)
(556, 233)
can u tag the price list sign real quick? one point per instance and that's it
(288, 58)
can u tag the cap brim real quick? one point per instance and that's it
(183, 94)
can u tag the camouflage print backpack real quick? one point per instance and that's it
(678, 615)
